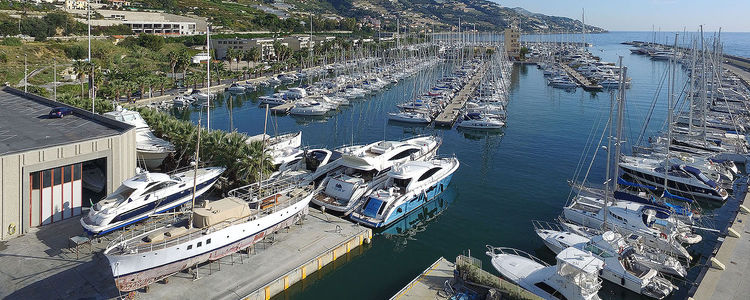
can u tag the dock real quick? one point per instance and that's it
(444, 279)
(451, 112)
(282, 109)
(582, 80)
(39, 265)
(726, 274)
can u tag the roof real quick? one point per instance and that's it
(580, 260)
(24, 125)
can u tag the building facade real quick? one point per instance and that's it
(50, 168)
(513, 42)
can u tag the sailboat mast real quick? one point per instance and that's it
(609, 156)
(195, 175)
(620, 114)
(208, 79)
(673, 63)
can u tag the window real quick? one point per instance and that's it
(208, 241)
(404, 154)
(36, 181)
(67, 173)
(199, 244)
(46, 179)
(57, 176)
(190, 247)
(429, 173)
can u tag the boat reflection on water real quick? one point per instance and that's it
(416, 221)
(479, 134)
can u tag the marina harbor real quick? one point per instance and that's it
(374, 150)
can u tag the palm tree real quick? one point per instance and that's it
(117, 85)
(184, 63)
(80, 68)
(174, 59)
(162, 81)
(219, 66)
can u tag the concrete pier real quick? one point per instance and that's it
(430, 283)
(40, 265)
(582, 80)
(732, 282)
(449, 115)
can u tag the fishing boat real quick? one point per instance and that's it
(409, 186)
(208, 233)
(145, 194)
(574, 277)
(557, 239)
(365, 169)
(150, 149)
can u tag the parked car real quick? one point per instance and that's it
(59, 112)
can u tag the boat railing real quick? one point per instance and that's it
(264, 188)
(192, 234)
(544, 225)
(493, 251)
(201, 164)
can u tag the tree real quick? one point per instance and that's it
(150, 41)
(220, 69)
(81, 68)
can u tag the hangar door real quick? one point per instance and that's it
(55, 194)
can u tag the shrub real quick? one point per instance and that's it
(12, 41)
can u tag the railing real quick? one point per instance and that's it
(495, 251)
(543, 225)
(489, 280)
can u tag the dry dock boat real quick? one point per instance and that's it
(146, 255)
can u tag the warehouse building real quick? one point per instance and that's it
(51, 168)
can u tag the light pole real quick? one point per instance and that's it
(25, 76)
(54, 83)
(91, 76)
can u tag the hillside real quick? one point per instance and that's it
(484, 14)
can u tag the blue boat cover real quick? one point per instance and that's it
(628, 183)
(371, 210)
(669, 195)
(698, 174)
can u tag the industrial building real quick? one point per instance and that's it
(51, 168)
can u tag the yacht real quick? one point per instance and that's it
(201, 96)
(281, 147)
(145, 194)
(410, 117)
(658, 229)
(557, 239)
(477, 120)
(409, 186)
(309, 108)
(562, 83)
(622, 266)
(181, 101)
(150, 149)
(365, 169)
(575, 277)
(236, 88)
(218, 228)
(295, 93)
(683, 180)
(273, 100)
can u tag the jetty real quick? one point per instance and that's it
(582, 80)
(44, 267)
(444, 279)
(451, 112)
(724, 275)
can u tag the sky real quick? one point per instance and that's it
(641, 15)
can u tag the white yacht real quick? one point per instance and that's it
(309, 108)
(365, 169)
(295, 93)
(658, 230)
(145, 194)
(622, 266)
(201, 97)
(575, 277)
(218, 229)
(281, 147)
(409, 186)
(274, 99)
(236, 88)
(181, 101)
(632, 246)
(476, 120)
(682, 180)
(410, 117)
(150, 149)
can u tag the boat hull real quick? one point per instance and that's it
(143, 275)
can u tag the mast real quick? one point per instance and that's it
(208, 77)
(704, 101)
(609, 158)
(690, 90)
(195, 175)
(673, 63)
(620, 114)
(262, 154)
